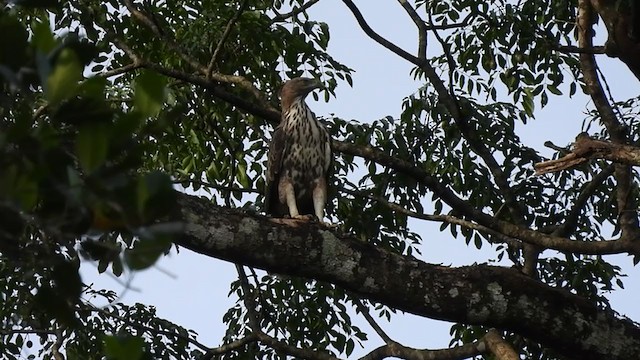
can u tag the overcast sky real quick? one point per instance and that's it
(195, 294)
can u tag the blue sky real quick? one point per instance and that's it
(191, 289)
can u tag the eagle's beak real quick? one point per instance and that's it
(315, 84)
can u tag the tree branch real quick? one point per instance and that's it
(234, 345)
(403, 352)
(231, 79)
(478, 295)
(421, 175)
(90, 307)
(146, 21)
(514, 243)
(294, 12)
(225, 35)
(626, 202)
(254, 323)
(422, 28)
(499, 347)
(571, 220)
(568, 49)
(372, 322)
(377, 37)
(585, 148)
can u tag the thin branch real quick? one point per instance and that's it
(234, 345)
(40, 111)
(569, 49)
(420, 24)
(372, 322)
(90, 307)
(440, 218)
(294, 12)
(377, 37)
(225, 35)
(501, 179)
(403, 352)
(121, 70)
(8, 332)
(261, 109)
(249, 300)
(55, 349)
(144, 19)
(215, 186)
(499, 347)
(571, 220)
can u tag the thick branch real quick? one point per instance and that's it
(626, 202)
(421, 175)
(482, 295)
(622, 20)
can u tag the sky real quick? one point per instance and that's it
(191, 289)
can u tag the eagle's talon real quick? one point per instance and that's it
(304, 217)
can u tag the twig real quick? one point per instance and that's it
(365, 312)
(571, 220)
(294, 12)
(120, 70)
(440, 218)
(143, 18)
(90, 307)
(249, 300)
(377, 37)
(569, 49)
(225, 35)
(6, 332)
(217, 187)
(55, 349)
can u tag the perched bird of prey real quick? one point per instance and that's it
(299, 157)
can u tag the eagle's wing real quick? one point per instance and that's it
(277, 149)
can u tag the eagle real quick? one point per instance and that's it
(299, 157)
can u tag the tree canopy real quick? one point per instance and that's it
(116, 114)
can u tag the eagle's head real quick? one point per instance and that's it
(299, 87)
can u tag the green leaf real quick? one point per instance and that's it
(149, 93)
(155, 195)
(123, 347)
(80, 111)
(43, 38)
(13, 42)
(67, 280)
(62, 82)
(20, 187)
(92, 144)
(147, 250)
